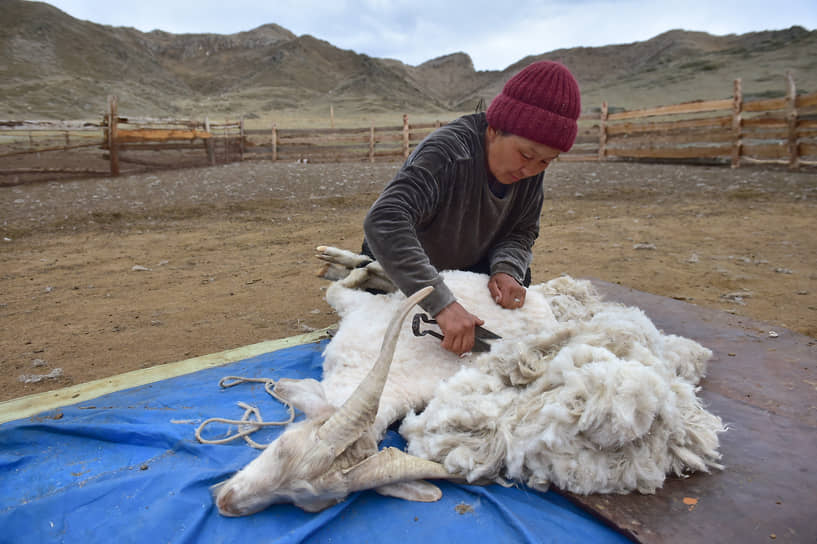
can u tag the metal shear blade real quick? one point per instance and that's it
(481, 335)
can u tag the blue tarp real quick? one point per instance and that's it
(126, 467)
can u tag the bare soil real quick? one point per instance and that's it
(101, 276)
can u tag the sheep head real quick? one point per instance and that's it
(319, 461)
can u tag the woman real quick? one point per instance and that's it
(470, 195)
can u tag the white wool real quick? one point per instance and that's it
(585, 394)
(419, 363)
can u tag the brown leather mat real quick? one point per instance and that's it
(762, 381)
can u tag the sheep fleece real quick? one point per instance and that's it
(582, 393)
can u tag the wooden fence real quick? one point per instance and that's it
(390, 143)
(729, 131)
(140, 141)
(19, 139)
(39, 149)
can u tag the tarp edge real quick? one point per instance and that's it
(29, 405)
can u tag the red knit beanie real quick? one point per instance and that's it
(541, 103)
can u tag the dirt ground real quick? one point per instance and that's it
(101, 276)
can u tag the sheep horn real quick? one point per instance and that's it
(359, 411)
(389, 466)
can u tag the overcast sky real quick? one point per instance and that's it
(495, 34)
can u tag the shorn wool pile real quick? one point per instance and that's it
(581, 393)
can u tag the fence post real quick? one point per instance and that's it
(791, 122)
(737, 123)
(241, 138)
(274, 143)
(331, 116)
(208, 143)
(603, 132)
(113, 119)
(371, 143)
(405, 136)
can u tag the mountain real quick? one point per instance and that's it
(55, 66)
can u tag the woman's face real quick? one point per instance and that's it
(512, 158)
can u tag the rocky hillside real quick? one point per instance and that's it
(55, 66)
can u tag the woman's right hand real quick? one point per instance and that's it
(457, 325)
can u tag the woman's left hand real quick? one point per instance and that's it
(506, 291)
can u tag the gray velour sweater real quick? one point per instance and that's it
(439, 213)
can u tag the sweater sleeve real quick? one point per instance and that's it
(408, 200)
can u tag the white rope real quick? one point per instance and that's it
(246, 426)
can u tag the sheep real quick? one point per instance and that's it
(582, 393)
(319, 461)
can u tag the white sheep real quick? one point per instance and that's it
(582, 393)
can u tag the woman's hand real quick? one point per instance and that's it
(457, 325)
(506, 291)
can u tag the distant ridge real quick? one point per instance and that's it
(55, 66)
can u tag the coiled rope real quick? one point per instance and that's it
(246, 426)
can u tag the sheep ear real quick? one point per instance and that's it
(417, 491)
(306, 395)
